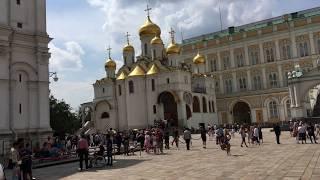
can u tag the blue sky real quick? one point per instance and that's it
(82, 29)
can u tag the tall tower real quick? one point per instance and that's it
(24, 72)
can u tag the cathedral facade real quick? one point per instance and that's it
(156, 85)
(250, 65)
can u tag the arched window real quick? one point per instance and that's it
(196, 104)
(273, 109)
(213, 110)
(119, 89)
(204, 105)
(209, 106)
(154, 54)
(131, 87)
(288, 105)
(145, 49)
(104, 115)
(153, 87)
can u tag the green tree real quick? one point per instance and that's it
(62, 119)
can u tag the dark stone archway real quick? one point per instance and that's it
(169, 108)
(241, 113)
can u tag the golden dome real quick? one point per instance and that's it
(173, 48)
(156, 40)
(128, 48)
(122, 76)
(110, 64)
(149, 28)
(153, 70)
(199, 59)
(137, 71)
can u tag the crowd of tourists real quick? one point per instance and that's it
(302, 131)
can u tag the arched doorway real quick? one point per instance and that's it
(241, 113)
(169, 108)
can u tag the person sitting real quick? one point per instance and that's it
(101, 150)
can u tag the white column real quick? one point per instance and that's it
(219, 61)
(232, 58)
(312, 48)
(234, 78)
(264, 78)
(277, 50)
(261, 52)
(249, 80)
(246, 55)
(221, 84)
(280, 75)
(294, 45)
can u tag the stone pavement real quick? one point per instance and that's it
(268, 161)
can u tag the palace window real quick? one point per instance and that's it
(196, 104)
(242, 84)
(228, 85)
(269, 54)
(103, 90)
(318, 44)
(303, 49)
(226, 62)
(168, 80)
(254, 57)
(105, 115)
(213, 65)
(217, 86)
(20, 108)
(19, 25)
(154, 109)
(257, 83)
(153, 87)
(239, 58)
(20, 77)
(204, 105)
(273, 109)
(286, 51)
(212, 105)
(288, 107)
(273, 80)
(131, 87)
(119, 89)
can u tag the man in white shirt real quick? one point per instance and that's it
(256, 134)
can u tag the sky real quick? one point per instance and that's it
(83, 29)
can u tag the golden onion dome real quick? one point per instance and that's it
(199, 59)
(110, 64)
(149, 28)
(156, 40)
(128, 48)
(173, 48)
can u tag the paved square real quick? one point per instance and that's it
(268, 161)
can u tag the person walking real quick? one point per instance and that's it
(277, 131)
(260, 134)
(243, 136)
(26, 161)
(187, 137)
(203, 133)
(14, 157)
(176, 138)
(311, 134)
(166, 139)
(109, 150)
(83, 151)
(256, 134)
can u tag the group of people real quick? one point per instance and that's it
(301, 130)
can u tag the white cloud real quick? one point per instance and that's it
(68, 58)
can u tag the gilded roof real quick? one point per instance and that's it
(137, 71)
(153, 70)
(122, 76)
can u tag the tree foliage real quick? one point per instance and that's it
(62, 119)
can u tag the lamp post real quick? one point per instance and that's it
(54, 76)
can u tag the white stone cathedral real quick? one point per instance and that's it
(155, 85)
(24, 58)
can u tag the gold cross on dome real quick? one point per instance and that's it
(172, 32)
(127, 35)
(109, 51)
(148, 10)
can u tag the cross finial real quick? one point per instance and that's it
(148, 10)
(127, 35)
(172, 32)
(109, 51)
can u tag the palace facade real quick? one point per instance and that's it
(250, 64)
